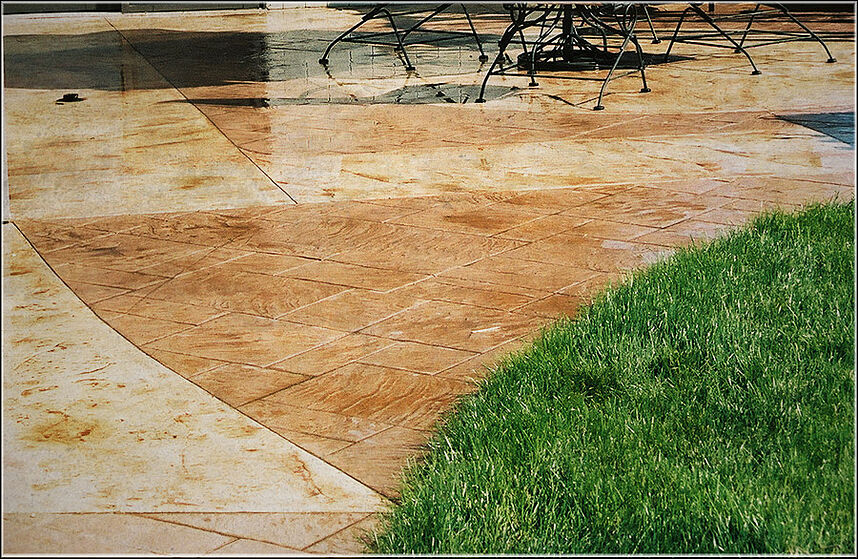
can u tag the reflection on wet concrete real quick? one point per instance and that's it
(200, 59)
(101, 61)
(628, 61)
(497, 205)
(421, 94)
(448, 71)
(160, 90)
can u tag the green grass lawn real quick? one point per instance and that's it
(705, 405)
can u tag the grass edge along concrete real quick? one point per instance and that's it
(705, 405)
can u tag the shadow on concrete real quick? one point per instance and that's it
(421, 94)
(840, 126)
(105, 61)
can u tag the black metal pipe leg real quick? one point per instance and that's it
(726, 35)
(502, 44)
(641, 64)
(483, 56)
(786, 12)
(532, 55)
(748, 27)
(324, 60)
(675, 34)
(371, 14)
(655, 39)
(599, 105)
(408, 66)
(538, 44)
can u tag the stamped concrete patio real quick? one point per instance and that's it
(238, 290)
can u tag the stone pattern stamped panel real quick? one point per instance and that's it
(239, 289)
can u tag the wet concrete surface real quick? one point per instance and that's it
(324, 259)
(217, 58)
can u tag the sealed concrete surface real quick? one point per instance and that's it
(240, 287)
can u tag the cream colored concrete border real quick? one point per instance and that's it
(91, 424)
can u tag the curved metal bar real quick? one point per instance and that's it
(599, 105)
(368, 16)
(541, 20)
(786, 12)
(505, 39)
(408, 66)
(626, 23)
(541, 40)
(641, 62)
(711, 22)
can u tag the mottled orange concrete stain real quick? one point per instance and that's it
(333, 267)
(313, 326)
(65, 429)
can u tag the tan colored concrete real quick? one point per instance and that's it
(92, 425)
(332, 367)
(290, 530)
(116, 152)
(103, 533)
(431, 239)
(348, 541)
(525, 139)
